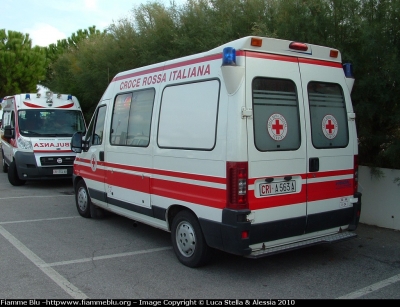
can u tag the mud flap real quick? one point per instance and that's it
(356, 212)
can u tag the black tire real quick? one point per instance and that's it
(5, 166)
(188, 240)
(13, 175)
(82, 199)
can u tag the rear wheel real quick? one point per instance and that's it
(13, 175)
(188, 241)
(4, 164)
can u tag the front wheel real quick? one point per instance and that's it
(188, 241)
(82, 199)
(13, 175)
(84, 204)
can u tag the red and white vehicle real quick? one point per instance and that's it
(250, 148)
(36, 136)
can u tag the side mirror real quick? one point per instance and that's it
(76, 142)
(9, 132)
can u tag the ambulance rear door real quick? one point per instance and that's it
(330, 148)
(277, 146)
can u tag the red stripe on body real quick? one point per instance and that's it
(206, 196)
(269, 56)
(86, 172)
(129, 181)
(319, 62)
(330, 173)
(32, 105)
(164, 172)
(328, 189)
(66, 106)
(286, 58)
(213, 197)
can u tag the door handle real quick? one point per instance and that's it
(313, 165)
(101, 155)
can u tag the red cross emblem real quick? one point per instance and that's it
(93, 163)
(329, 126)
(277, 127)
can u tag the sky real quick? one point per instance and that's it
(47, 21)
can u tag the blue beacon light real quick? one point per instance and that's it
(229, 56)
(348, 70)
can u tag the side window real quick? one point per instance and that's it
(99, 126)
(276, 115)
(12, 119)
(6, 118)
(188, 116)
(89, 132)
(328, 115)
(120, 116)
(131, 119)
(138, 132)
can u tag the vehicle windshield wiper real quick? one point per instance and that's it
(30, 132)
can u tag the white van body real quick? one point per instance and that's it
(36, 135)
(250, 148)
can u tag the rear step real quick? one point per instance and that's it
(337, 237)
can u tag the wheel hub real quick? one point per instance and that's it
(186, 239)
(82, 199)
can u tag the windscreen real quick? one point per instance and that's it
(50, 122)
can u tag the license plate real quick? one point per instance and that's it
(59, 171)
(275, 188)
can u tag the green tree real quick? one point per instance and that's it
(377, 90)
(54, 51)
(21, 66)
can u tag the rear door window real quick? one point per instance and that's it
(328, 115)
(276, 115)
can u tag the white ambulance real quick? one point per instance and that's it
(249, 148)
(36, 136)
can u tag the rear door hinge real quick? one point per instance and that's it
(247, 112)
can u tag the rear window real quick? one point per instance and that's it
(328, 115)
(276, 115)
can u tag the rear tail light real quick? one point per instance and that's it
(355, 182)
(237, 176)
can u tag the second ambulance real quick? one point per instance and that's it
(36, 134)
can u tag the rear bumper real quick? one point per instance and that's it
(236, 235)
